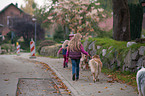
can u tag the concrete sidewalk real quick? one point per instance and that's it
(85, 85)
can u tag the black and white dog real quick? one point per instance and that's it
(140, 78)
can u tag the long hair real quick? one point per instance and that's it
(74, 44)
(65, 43)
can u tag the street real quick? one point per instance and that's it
(21, 77)
(44, 76)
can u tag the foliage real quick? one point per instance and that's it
(79, 15)
(25, 46)
(26, 29)
(107, 6)
(8, 47)
(59, 34)
(45, 43)
(123, 77)
(136, 17)
(30, 5)
(42, 13)
(133, 1)
(115, 48)
(7, 39)
(103, 34)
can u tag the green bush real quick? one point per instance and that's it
(8, 46)
(45, 43)
(25, 46)
(59, 34)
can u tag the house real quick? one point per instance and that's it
(6, 17)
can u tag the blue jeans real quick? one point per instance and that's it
(75, 66)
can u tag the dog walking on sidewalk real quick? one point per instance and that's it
(95, 66)
(84, 62)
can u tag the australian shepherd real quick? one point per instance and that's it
(140, 78)
(95, 66)
(83, 62)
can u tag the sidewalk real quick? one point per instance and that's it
(85, 85)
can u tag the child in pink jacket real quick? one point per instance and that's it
(64, 49)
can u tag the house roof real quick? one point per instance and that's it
(9, 6)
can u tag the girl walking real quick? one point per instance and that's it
(64, 50)
(74, 50)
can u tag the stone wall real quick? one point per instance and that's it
(131, 61)
(112, 59)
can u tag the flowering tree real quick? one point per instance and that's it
(80, 16)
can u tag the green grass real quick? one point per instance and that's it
(124, 77)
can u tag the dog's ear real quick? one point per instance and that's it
(96, 56)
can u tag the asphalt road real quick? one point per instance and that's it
(21, 77)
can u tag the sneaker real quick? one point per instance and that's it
(66, 64)
(73, 77)
(63, 66)
(77, 78)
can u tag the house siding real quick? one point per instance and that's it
(11, 11)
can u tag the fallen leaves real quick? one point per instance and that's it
(60, 84)
(99, 91)
(121, 89)
(6, 79)
(121, 77)
(90, 83)
(44, 90)
(110, 76)
(110, 81)
(105, 87)
(64, 92)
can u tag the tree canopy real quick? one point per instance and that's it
(79, 16)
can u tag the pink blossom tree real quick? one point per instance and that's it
(80, 16)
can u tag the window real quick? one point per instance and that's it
(9, 21)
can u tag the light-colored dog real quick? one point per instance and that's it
(83, 62)
(140, 78)
(95, 66)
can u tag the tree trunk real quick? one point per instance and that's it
(121, 20)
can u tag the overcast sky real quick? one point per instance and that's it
(4, 3)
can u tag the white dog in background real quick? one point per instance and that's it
(95, 66)
(140, 78)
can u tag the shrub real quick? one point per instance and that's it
(45, 43)
(8, 47)
(25, 45)
(59, 34)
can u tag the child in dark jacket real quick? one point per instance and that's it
(74, 50)
(64, 50)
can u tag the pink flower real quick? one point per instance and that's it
(52, 21)
(80, 22)
(50, 17)
(100, 9)
(97, 3)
